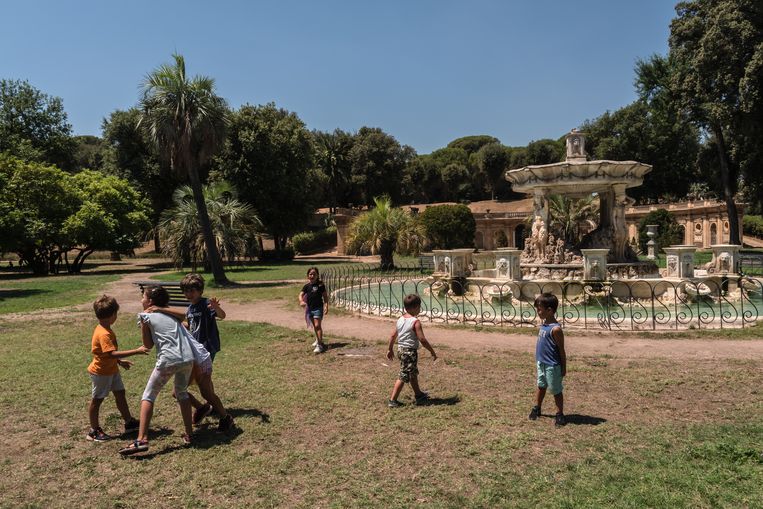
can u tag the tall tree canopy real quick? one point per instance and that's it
(268, 158)
(332, 158)
(186, 120)
(378, 161)
(34, 125)
(716, 47)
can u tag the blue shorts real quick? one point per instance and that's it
(316, 313)
(550, 377)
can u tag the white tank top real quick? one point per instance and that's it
(406, 336)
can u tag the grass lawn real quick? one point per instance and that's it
(314, 431)
(24, 293)
(273, 271)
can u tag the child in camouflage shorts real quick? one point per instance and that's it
(409, 336)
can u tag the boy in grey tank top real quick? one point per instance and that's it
(409, 336)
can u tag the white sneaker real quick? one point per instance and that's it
(318, 349)
(315, 343)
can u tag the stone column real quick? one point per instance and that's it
(618, 222)
(507, 263)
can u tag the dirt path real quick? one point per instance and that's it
(373, 329)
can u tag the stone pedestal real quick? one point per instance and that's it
(595, 264)
(507, 264)
(651, 245)
(452, 262)
(680, 261)
(725, 259)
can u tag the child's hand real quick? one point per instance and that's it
(214, 304)
(125, 364)
(434, 357)
(390, 355)
(326, 311)
(151, 309)
(302, 303)
(143, 350)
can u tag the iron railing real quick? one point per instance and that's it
(716, 302)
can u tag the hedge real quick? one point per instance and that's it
(752, 225)
(309, 242)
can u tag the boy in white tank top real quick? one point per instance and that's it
(409, 335)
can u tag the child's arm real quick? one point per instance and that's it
(145, 332)
(326, 302)
(302, 299)
(177, 313)
(128, 353)
(419, 330)
(558, 336)
(392, 339)
(214, 304)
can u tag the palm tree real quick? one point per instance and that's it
(187, 121)
(234, 225)
(567, 215)
(385, 230)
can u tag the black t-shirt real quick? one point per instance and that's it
(314, 294)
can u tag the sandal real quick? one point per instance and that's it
(187, 439)
(133, 447)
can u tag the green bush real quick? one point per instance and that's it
(449, 226)
(309, 242)
(669, 232)
(277, 255)
(753, 225)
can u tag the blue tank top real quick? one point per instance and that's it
(546, 350)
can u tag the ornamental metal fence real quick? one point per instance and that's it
(707, 303)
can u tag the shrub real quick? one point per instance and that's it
(669, 232)
(277, 255)
(308, 242)
(449, 226)
(753, 225)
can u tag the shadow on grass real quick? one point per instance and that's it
(15, 293)
(335, 345)
(440, 401)
(250, 412)
(588, 420)
(152, 433)
(204, 438)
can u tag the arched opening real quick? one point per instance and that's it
(500, 239)
(479, 240)
(519, 236)
(713, 234)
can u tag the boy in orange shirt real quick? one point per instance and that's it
(104, 370)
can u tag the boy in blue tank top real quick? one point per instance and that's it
(550, 358)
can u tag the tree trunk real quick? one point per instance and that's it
(728, 190)
(157, 241)
(206, 229)
(386, 253)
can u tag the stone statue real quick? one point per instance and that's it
(559, 252)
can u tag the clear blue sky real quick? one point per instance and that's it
(425, 71)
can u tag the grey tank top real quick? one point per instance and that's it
(406, 336)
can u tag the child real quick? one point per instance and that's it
(409, 334)
(104, 370)
(201, 316)
(315, 300)
(174, 357)
(551, 360)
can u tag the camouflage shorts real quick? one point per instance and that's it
(409, 360)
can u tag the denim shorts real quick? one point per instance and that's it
(316, 313)
(550, 377)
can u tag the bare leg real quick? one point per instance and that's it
(185, 411)
(399, 384)
(540, 393)
(122, 406)
(559, 400)
(207, 389)
(92, 411)
(195, 403)
(415, 385)
(318, 330)
(146, 412)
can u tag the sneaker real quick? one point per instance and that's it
(97, 435)
(560, 420)
(132, 425)
(393, 403)
(315, 343)
(534, 413)
(226, 423)
(187, 439)
(320, 348)
(422, 398)
(200, 413)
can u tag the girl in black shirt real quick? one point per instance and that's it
(315, 300)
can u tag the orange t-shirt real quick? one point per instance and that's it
(104, 341)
